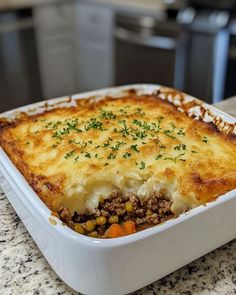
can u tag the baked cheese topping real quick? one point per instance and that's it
(76, 157)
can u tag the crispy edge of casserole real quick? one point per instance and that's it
(203, 181)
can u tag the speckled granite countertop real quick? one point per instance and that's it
(23, 269)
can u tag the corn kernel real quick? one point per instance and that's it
(79, 228)
(113, 219)
(89, 225)
(101, 220)
(93, 234)
(129, 207)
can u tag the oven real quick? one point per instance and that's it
(146, 50)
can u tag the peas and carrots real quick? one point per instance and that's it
(114, 231)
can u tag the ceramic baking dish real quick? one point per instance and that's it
(122, 265)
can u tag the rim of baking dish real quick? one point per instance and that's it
(37, 207)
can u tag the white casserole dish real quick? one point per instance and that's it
(122, 265)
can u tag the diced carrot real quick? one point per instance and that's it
(129, 227)
(115, 231)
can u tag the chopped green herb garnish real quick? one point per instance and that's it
(180, 147)
(142, 165)
(169, 133)
(118, 145)
(111, 156)
(74, 141)
(205, 139)
(127, 155)
(70, 154)
(181, 132)
(171, 159)
(142, 124)
(53, 125)
(87, 155)
(57, 135)
(123, 112)
(138, 134)
(172, 125)
(174, 159)
(159, 119)
(76, 159)
(134, 148)
(93, 123)
(140, 112)
(107, 115)
(106, 144)
(158, 157)
(125, 130)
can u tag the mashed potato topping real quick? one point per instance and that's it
(75, 157)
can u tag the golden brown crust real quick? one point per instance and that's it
(142, 139)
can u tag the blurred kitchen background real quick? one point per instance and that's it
(52, 48)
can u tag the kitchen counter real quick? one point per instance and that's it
(153, 7)
(23, 269)
(149, 7)
(17, 4)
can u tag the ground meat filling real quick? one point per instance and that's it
(120, 215)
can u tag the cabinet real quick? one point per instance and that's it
(75, 47)
(19, 75)
(55, 42)
(94, 26)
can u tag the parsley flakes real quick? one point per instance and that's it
(111, 156)
(107, 115)
(69, 154)
(205, 139)
(141, 165)
(93, 123)
(134, 148)
(87, 155)
(127, 155)
(180, 147)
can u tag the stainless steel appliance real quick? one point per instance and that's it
(206, 52)
(209, 48)
(146, 50)
(193, 51)
(19, 73)
(213, 4)
(230, 81)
